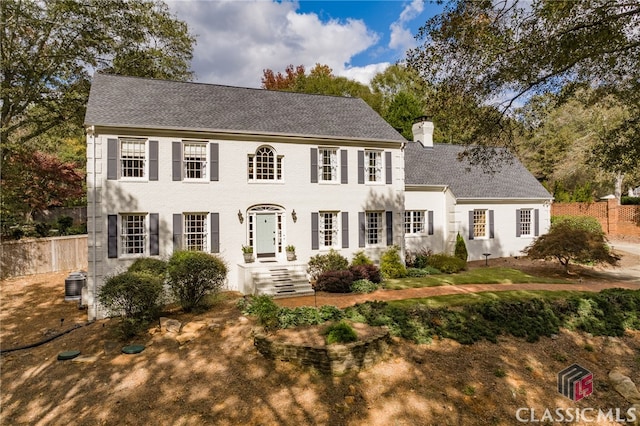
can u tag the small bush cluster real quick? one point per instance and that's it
(332, 272)
(391, 265)
(418, 259)
(363, 286)
(445, 263)
(192, 275)
(272, 317)
(340, 332)
(625, 200)
(609, 312)
(422, 272)
(461, 248)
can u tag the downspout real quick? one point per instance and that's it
(94, 274)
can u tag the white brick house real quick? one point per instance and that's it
(214, 168)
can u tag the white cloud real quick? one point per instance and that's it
(366, 73)
(401, 37)
(237, 40)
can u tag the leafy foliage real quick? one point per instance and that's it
(134, 296)
(568, 240)
(192, 275)
(157, 267)
(360, 258)
(321, 263)
(335, 281)
(363, 286)
(391, 265)
(366, 272)
(340, 332)
(445, 263)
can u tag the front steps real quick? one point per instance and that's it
(281, 280)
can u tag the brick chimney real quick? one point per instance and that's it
(422, 130)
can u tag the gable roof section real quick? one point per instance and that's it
(440, 166)
(119, 101)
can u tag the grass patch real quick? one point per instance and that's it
(491, 275)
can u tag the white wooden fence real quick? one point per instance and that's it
(41, 255)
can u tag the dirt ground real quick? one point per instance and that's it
(218, 378)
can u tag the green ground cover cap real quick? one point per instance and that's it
(133, 349)
(62, 356)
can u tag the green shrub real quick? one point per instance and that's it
(340, 333)
(629, 201)
(192, 275)
(154, 266)
(64, 224)
(330, 313)
(321, 263)
(136, 297)
(363, 286)
(335, 281)
(263, 308)
(445, 263)
(42, 229)
(391, 265)
(360, 258)
(586, 223)
(461, 248)
(366, 272)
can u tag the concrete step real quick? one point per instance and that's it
(281, 281)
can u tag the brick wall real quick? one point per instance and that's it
(615, 219)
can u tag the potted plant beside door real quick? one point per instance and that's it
(247, 252)
(291, 253)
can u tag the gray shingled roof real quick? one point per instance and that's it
(138, 102)
(440, 166)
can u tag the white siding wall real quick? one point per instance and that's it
(232, 192)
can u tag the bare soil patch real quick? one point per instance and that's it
(219, 378)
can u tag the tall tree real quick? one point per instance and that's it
(48, 50)
(502, 52)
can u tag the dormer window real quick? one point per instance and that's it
(264, 165)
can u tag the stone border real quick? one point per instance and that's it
(335, 359)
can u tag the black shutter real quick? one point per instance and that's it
(153, 160)
(388, 168)
(344, 166)
(112, 236)
(315, 234)
(112, 159)
(361, 229)
(214, 166)
(176, 163)
(491, 234)
(430, 222)
(215, 232)
(314, 165)
(361, 167)
(177, 232)
(536, 222)
(345, 229)
(389, 223)
(518, 223)
(154, 234)
(471, 224)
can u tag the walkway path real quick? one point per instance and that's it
(345, 300)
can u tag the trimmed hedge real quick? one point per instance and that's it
(335, 281)
(445, 263)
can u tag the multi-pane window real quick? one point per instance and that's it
(328, 164)
(373, 228)
(373, 166)
(132, 158)
(264, 165)
(194, 160)
(479, 223)
(195, 231)
(133, 233)
(413, 222)
(328, 228)
(525, 222)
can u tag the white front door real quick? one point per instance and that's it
(265, 235)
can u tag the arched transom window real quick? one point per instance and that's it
(265, 164)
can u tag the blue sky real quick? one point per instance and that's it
(237, 39)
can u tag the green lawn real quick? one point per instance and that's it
(471, 298)
(491, 275)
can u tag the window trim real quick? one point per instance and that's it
(145, 167)
(522, 223)
(336, 230)
(413, 223)
(379, 230)
(485, 225)
(125, 245)
(252, 166)
(379, 167)
(333, 164)
(205, 235)
(204, 162)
